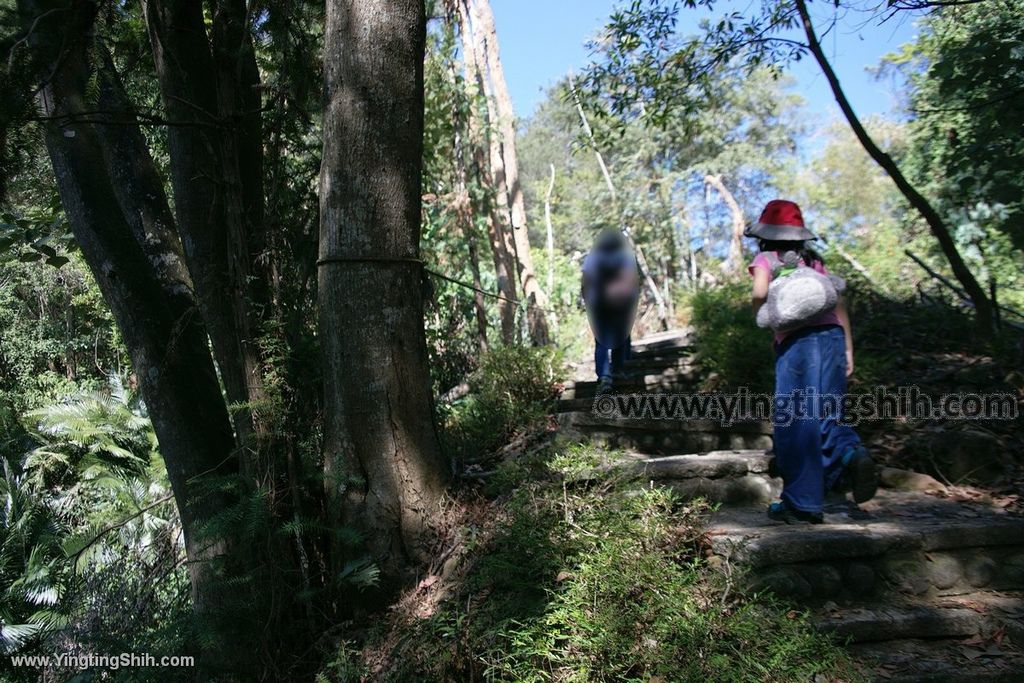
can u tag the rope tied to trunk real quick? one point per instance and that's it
(427, 271)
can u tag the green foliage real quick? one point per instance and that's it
(41, 235)
(966, 70)
(733, 349)
(97, 432)
(33, 576)
(90, 535)
(56, 334)
(513, 388)
(745, 135)
(586, 578)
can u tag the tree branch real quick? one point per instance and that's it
(935, 222)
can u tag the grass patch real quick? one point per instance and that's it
(575, 576)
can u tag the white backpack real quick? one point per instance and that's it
(797, 294)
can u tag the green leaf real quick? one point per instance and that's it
(44, 249)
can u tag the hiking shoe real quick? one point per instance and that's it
(604, 386)
(780, 512)
(860, 474)
(623, 377)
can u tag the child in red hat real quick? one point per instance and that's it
(815, 451)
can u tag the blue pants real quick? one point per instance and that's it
(810, 367)
(619, 356)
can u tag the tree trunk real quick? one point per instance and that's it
(502, 118)
(384, 471)
(216, 173)
(125, 237)
(550, 232)
(502, 246)
(479, 306)
(464, 213)
(982, 306)
(735, 259)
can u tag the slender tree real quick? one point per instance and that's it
(683, 74)
(490, 173)
(641, 258)
(504, 161)
(735, 259)
(982, 305)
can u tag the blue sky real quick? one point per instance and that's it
(542, 39)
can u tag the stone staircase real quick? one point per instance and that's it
(920, 588)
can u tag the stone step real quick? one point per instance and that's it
(980, 613)
(733, 477)
(681, 379)
(898, 544)
(664, 341)
(939, 661)
(647, 365)
(595, 420)
(664, 437)
(654, 361)
(668, 442)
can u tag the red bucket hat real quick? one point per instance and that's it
(781, 221)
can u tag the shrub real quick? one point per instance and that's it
(729, 342)
(513, 388)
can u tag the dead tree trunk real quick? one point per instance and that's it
(735, 258)
(550, 231)
(489, 169)
(488, 60)
(464, 213)
(384, 471)
(982, 306)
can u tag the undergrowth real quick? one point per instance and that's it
(734, 351)
(513, 388)
(575, 575)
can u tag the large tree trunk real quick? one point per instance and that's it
(982, 306)
(735, 258)
(118, 213)
(385, 473)
(505, 163)
(488, 162)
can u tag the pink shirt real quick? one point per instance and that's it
(828, 318)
